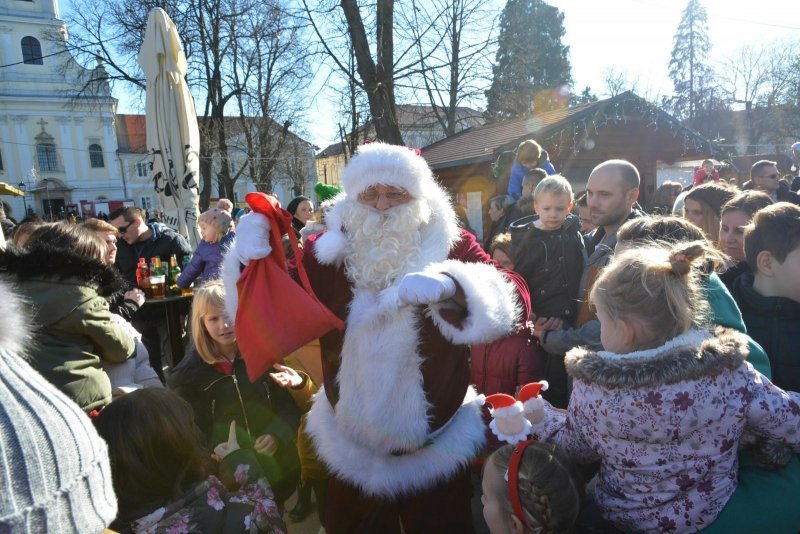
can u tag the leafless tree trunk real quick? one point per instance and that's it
(376, 76)
(271, 68)
(296, 166)
(355, 111)
(454, 40)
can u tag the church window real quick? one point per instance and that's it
(96, 156)
(48, 159)
(31, 51)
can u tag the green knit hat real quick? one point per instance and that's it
(326, 192)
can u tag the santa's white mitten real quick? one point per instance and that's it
(425, 288)
(532, 402)
(252, 237)
(508, 418)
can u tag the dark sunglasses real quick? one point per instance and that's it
(124, 229)
(770, 176)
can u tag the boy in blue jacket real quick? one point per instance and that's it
(529, 156)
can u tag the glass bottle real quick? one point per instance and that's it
(143, 276)
(174, 273)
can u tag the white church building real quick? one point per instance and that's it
(76, 154)
(61, 150)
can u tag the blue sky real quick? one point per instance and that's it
(634, 36)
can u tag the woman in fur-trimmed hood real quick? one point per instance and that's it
(63, 278)
(665, 406)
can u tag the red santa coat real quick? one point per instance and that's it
(397, 414)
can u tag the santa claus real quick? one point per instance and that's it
(397, 421)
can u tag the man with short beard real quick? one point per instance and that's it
(397, 422)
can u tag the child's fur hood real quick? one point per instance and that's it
(725, 351)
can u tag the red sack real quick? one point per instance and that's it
(276, 315)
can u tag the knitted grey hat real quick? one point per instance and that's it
(54, 469)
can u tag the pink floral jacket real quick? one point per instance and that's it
(211, 507)
(665, 424)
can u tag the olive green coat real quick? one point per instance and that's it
(71, 327)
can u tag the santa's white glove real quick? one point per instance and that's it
(252, 237)
(425, 288)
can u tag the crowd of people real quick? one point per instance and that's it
(664, 346)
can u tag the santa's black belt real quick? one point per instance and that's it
(427, 443)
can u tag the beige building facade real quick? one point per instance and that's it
(61, 149)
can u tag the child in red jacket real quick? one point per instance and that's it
(706, 173)
(510, 362)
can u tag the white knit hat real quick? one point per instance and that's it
(55, 474)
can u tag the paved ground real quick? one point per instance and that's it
(311, 524)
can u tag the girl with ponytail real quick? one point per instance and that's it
(663, 408)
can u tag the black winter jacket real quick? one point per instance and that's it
(785, 195)
(259, 408)
(551, 263)
(774, 323)
(732, 273)
(164, 242)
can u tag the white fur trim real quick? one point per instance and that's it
(229, 273)
(381, 400)
(516, 438)
(492, 303)
(382, 474)
(329, 247)
(690, 338)
(508, 411)
(393, 165)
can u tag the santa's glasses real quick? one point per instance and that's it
(372, 195)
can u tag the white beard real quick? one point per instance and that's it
(382, 245)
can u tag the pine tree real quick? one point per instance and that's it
(691, 77)
(532, 71)
(585, 97)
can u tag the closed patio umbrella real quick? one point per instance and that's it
(173, 139)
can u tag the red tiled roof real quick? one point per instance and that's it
(131, 133)
(479, 143)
